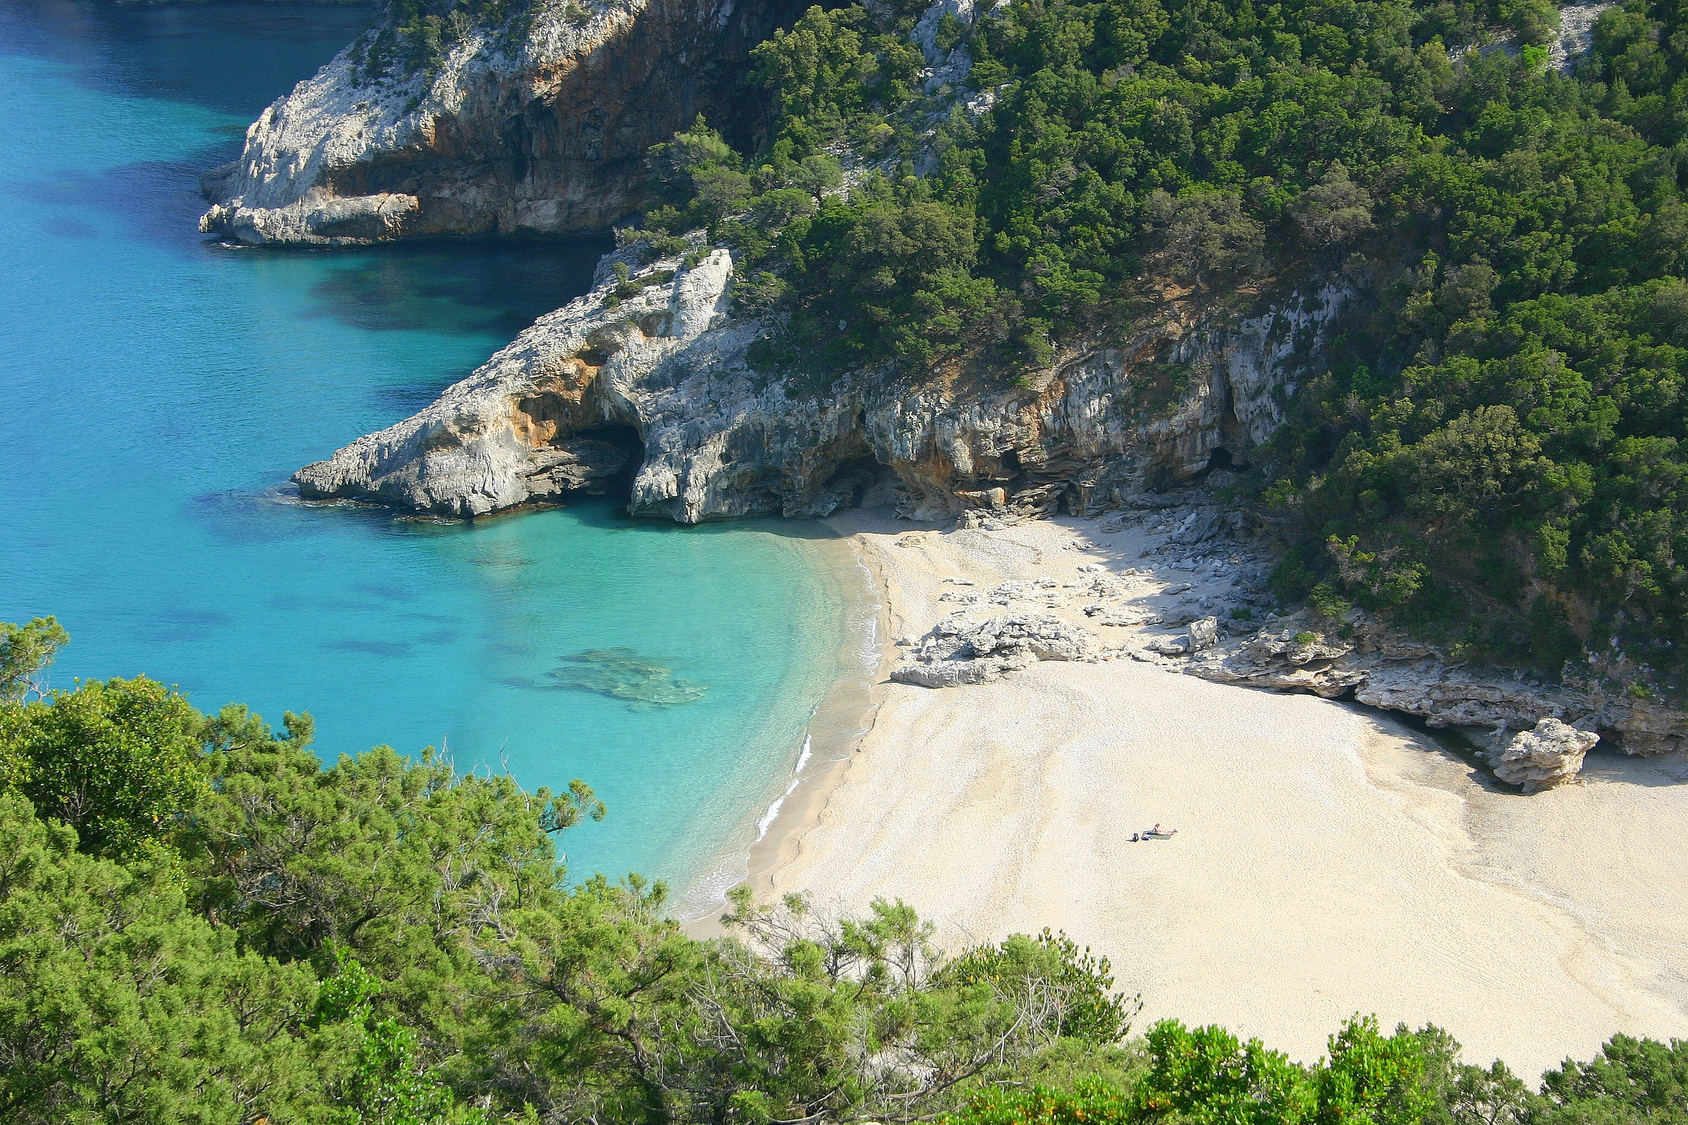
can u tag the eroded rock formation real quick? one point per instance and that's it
(719, 439)
(536, 128)
(959, 651)
(1382, 667)
(1549, 755)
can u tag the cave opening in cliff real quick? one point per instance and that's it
(592, 461)
(858, 481)
(626, 439)
(1223, 459)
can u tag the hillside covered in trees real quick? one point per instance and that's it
(200, 922)
(1487, 452)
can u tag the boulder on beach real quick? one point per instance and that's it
(1547, 756)
(959, 651)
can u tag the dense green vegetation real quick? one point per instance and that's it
(200, 923)
(412, 37)
(1489, 452)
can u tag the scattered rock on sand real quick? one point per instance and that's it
(1122, 618)
(958, 651)
(1168, 646)
(1379, 666)
(1204, 633)
(1547, 756)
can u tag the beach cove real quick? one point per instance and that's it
(709, 682)
(1328, 859)
(161, 389)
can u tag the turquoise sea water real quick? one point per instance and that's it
(158, 390)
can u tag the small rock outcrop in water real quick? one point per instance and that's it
(540, 125)
(1549, 755)
(958, 651)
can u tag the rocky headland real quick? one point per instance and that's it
(535, 125)
(668, 368)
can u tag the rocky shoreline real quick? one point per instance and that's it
(1200, 607)
(660, 358)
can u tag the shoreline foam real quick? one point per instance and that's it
(850, 720)
(1331, 860)
(835, 727)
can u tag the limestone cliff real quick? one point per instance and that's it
(669, 369)
(543, 131)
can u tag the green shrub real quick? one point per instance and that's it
(115, 760)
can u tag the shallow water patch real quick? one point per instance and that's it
(622, 673)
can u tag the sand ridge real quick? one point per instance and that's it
(1328, 860)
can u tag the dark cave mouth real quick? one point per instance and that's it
(1223, 460)
(594, 461)
(630, 445)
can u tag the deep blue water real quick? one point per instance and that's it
(158, 389)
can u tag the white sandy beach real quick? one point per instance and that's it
(1327, 860)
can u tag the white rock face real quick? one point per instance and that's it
(342, 120)
(495, 440)
(539, 126)
(944, 67)
(720, 439)
(1576, 32)
(1568, 48)
(1549, 755)
(1236, 371)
